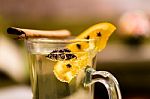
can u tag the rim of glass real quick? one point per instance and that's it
(49, 40)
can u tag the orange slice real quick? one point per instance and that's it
(65, 71)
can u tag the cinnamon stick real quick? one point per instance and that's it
(30, 33)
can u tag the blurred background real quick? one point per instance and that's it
(127, 56)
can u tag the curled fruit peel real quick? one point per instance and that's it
(101, 32)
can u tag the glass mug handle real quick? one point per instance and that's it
(106, 78)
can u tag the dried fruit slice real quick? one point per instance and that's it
(65, 71)
(101, 31)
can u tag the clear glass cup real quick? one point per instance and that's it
(45, 84)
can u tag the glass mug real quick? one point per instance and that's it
(44, 83)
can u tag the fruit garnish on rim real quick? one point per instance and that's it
(65, 71)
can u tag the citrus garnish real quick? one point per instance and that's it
(65, 71)
(101, 31)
